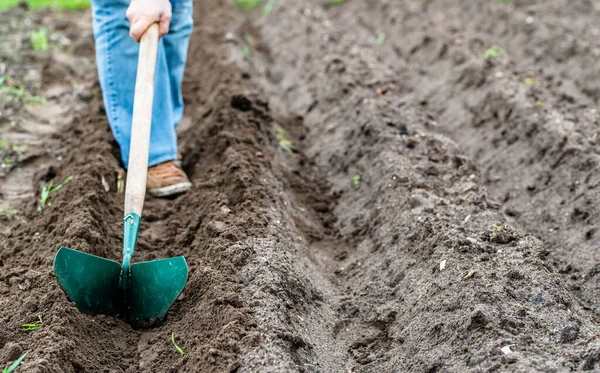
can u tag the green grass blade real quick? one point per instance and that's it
(14, 365)
(65, 181)
(175, 344)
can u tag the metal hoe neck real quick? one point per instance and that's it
(131, 228)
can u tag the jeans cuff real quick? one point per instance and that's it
(154, 160)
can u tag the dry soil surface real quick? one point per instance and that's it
(379, 186)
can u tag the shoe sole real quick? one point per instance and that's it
(170, 190)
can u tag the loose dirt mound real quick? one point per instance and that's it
(395, 232)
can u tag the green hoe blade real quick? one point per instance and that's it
(91, 282)
(154, 286)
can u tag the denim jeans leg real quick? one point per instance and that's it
(116, 58)
(176, 48)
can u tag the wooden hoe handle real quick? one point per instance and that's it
(141, 123)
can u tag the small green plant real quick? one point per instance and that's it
(268, 8)
(3, 144)
(16, 92)
(16, 363)
(246, 50)
(285, 144)
(8, 213)
(493, 52)
(529, 81)
(248, 42)
(247, 5)
(36, 4)
(336, 2)
(33, 326)
(175, 344)
(505, 1)
(356, 181)
(497, 229)
(20, 149)
(13, 94)
(381, 38)
(50, 189)
(39, 40)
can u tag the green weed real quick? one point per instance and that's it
(246, 50)
(248, 42)
(48, 190)
(356, 181)
(20, 149)
(16, 363)
(175, 344)
(505, 1)
(33, 326)
(16, 92)
(3, 144)
(247, 5)
(39, 40)
(381, 38)
(284, 143)
(60, 4)
(497, 229)
(8, 213)
(494, 51)
(336, 2)
(268, 8)
(529, 81)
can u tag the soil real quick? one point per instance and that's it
(371, 193)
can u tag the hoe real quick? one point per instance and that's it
(138, 292)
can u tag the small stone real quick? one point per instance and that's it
(569, 334)
(417, 200)
(506, 350)
(479, 317)
(442, 265)
(470, 274)
(217, 227)
(225, 210)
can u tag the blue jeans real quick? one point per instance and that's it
(117, 57)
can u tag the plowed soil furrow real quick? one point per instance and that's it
(229, 227)
(436, 279)
(528, 118)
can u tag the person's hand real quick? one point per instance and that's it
(143, 13)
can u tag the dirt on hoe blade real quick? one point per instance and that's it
(378, 187)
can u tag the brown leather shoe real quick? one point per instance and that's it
(167, 179)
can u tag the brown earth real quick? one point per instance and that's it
(437, 205)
